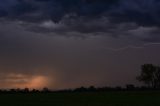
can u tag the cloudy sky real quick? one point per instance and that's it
(72, 43)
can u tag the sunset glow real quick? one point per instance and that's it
(36, 82)
(25, 81)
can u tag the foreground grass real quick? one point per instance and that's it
(143, 98)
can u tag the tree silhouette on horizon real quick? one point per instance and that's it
(150, 75)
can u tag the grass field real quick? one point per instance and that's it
(144, 98)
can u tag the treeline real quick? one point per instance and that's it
(150, 76)
(128, 87)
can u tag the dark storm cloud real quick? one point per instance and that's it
(53, 9)
(82, 17)
(143, 12)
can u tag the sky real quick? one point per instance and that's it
(71, 43)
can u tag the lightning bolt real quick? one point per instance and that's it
(130, 47)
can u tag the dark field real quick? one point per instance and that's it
(145, 98)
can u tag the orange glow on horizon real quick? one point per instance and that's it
(35, 82)
(24, 81)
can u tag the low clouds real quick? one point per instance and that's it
(83, 28)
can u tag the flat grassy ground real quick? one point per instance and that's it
(143, 98)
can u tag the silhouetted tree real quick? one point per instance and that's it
(130, 87)
(35, 91)
(150, 75)
(118, 88)
(81, 89)
(105, 89)
(12, 90)
(157, 81)
(91, 88)
(26, 90)
(45, 90)
(18, 90)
